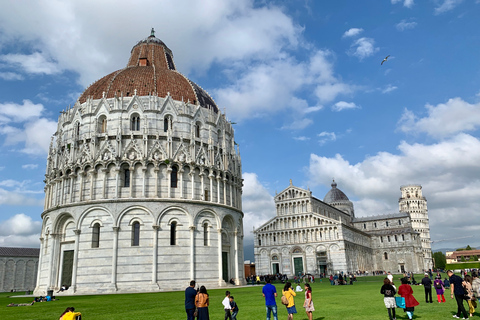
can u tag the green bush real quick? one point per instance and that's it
(463, 265)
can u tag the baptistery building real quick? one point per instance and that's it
(309, 235)
(143, 186)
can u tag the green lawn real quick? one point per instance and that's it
(360, 301)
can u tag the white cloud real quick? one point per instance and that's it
(257, 204)
(10, 76)
(404, 25)
(352, 32)
(20, 231)
(263, 88)
(34, 63)
(20, 112)
(68, 38)
(326, 137)
(342, 105)
(449, 172)
(301, 138)
(23, 123)
(406, 3)
(443, 120)
(363, 48)
(447, 5)
(18, 198)
(30, 166)
(389, 88)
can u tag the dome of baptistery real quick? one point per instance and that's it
(336, 198)
(143, 179)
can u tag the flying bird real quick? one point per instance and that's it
(384, 59)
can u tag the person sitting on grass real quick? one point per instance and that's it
(70, 314)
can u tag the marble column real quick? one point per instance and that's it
(220, 266)
(237, 280)
(192, 252)
(155, 253)
(114, 257)
(75, 259)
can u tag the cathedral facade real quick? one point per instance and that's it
(309, 235)
(143, 188)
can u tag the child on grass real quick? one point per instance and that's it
(388, 292)
(234, 307)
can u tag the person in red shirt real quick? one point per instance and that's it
(406, 291)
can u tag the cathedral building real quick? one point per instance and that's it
(309, 235)
(143, 186)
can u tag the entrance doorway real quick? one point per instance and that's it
(298, 265)
(275, 268)
(67, 268)
(225, 266)
(402, 268)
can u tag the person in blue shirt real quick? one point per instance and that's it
(190, 294)
(270, 293)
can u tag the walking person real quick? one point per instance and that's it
(406, 291)
(234, 307)
(308, 304)
(439, 289)
(476, 285)
(456, 290)
(427, 286)
(471, 298)
(388, 291)
(289, 294)
(190, 294)
(202, 302)
(226, 306)
(270, 293)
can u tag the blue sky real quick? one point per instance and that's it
(302, 80)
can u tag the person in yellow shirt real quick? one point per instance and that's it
(70, 314)
(289, 294)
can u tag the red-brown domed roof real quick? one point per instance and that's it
(150, 70)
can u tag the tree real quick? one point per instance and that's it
(440, 260)
(468, 247)
(462, 259)
(473, 258)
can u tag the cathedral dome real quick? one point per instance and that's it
(150, 70)
(335, 195)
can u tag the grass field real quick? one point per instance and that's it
(359, 301)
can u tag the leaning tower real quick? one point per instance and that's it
(415, 204)
(143, 187)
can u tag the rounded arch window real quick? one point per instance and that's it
(135, 122)
(173, 233)
(102, 124)
(96, 235)
(197, 129)
(136, 234)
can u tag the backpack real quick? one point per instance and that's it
(438, 285)
(284, 300)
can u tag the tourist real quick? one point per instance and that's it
(226, 306)
(388, 291)
(270, 293)
(298, 288)
(234, 308)
(468, 288)
(70, 314)
(446, 283)
(289, 294)
(331, 279)
(476, 285)
(456, 290)
(190, 294)
(439, 288)
(308, 304)
(406, 291)
(427, 285)
(202, 302)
